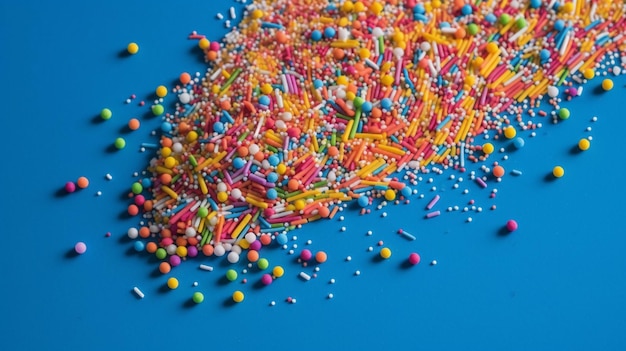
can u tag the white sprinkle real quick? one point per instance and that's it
(349, 258)
(343, 229)
(305, 276)
(332, 281)
(138, 292)
(357, 273)
(330, 296)
(370, 248)
(204, 267)
(108, 176)
(293, 300)
(272, 303)
(369, 232)
(220, 16)
(433, 263)
(99, 193)
(233, 14)
(195, 284)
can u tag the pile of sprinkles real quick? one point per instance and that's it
(309, 105)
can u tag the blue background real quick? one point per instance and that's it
(556, 283)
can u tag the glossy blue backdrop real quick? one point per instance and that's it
(556, 283)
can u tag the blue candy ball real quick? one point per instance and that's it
(166, 127)
(238, 163)
(544, 55)
(366, 107)
(466, 10)
(271, 194)
(139, 246)
(406, 191)
(273, 160)
(282, 239)
(535, 4)
(329, 32)
(272, 177)
(386, 103)
(518, 143)
(316, 35)
(264, 100)
(318, 83)
(364, 201)
(559, 25)
(218, 127)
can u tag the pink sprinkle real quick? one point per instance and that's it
(432, 202)
(433, 214)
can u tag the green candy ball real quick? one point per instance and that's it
(106, 114)
(472, 29)
(203, 212)
(231, 275)
(521, 23)
(197, 297)
(120, 143)
(505, 18)
(263, 263)
(136, 188)
(160, 253)
(158, 110)
(564, 113)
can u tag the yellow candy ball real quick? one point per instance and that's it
(488, 148)
(256, 14)
(584, 144)
(181, 251)
(364, 53)
(386, 80)
(191, 136)
(350, 96)
(222, 196)
(215, 89)
(376, 8)
(558, 171)
(278, 271)
(385, 252)
(266, 88)
(436, 4)
(589, 73)
(510, 132)
(299, 204)
(492, 48)
(166, 151)
(161, 91)
(478, 61)
(238, 296)
(568, 7)
(359, 7)
(172, 283)
(390, 195)
(169, 162)
(397, 36)
(347, 6)
(607, 84)
(343, 21)
(281, 168)
(132, 48)
(470, 80)
(204, 43)
(342, 80)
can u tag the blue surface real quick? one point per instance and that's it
(556, 283)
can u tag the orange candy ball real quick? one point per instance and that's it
(133, 124)
(498, 171)
(165, 267)
(185, 78)
(82, 182)
(321, 257)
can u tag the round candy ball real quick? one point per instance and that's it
(231, 275)
(607, 84)
(519, 143)
(584, 144)
(306, 255)
(385, 252)
(267, 279)
(564, 113)
(106, 114)
(80, 247)
(263, 263)
(70, 187)
(172, 283)
(414, 258)
(238, 296)
(197, 297)
(364, 200)
(511, 225)
(558, 171)
(119, 143)
(132, 48)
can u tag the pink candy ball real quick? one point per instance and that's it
(70, 187)
(256, 245)
(414, 258)
(306, 255)
(174, 260)
(139, 200)
(266, 279)
(80, 247)
(511, 225)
